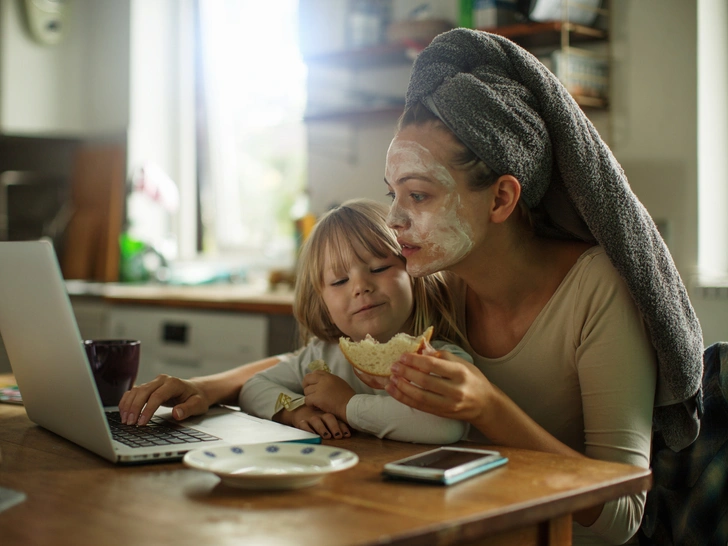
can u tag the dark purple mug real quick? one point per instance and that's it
(115, 364)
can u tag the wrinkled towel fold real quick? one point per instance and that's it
(519, 119)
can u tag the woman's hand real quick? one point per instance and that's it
(139, 404)
(446, 386)
(327, 392)
(313, 420)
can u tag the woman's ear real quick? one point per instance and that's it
(506, 192)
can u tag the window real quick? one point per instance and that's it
(218, 91)
(251, 97)
(712, 140)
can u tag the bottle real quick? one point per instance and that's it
(465, 14)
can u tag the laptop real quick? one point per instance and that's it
(55, 380)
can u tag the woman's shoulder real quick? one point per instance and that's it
(597, 280)
(595, 265)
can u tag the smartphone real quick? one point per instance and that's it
(444, 465)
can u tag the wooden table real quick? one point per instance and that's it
(77, 498)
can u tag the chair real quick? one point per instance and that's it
(688, 503)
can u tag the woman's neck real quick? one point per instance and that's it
(507, 273)
(506, 293)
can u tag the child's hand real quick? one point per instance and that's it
(324, 424)
(327, 392)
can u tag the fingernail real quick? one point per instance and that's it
(123, 416)
(347, 434)
(142, 420)
(131, 418)
(338, 434)
(178, 413)
(326, 435)
(396, 368)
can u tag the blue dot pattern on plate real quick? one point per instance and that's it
(334, 454)
(307, 450)
(236, 450)
(210, 454)
(272, 449)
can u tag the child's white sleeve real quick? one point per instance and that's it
(385, 417)
(260, 393)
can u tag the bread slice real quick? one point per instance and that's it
(374, 358)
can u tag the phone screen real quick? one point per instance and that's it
(444, 459)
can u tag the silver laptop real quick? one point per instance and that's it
(55, 380)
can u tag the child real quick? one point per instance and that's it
(352, 282)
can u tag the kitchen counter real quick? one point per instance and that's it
(253, 298)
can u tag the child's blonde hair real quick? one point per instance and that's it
(334, 236)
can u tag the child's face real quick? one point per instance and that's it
(371, 297)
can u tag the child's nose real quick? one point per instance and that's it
(363, 286)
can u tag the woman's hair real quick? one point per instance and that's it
(480, 175)
(334, 236)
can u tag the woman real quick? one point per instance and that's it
(498, 178)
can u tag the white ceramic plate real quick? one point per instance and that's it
(284, 465)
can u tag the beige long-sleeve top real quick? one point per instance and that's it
(586, 372)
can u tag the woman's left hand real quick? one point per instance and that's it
(447, 386)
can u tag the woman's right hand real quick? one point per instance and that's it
(441, 384)
(185, 396)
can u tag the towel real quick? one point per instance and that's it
(511, 111)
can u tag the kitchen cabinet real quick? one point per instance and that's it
(187, 331)
(78, 87)
(92, 317)
(188, 343)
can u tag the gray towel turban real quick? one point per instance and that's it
(519, 119)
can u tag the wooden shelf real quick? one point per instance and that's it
(527, 35)
(389, 54)
(586, 101)
(530, 35)
(363, 115)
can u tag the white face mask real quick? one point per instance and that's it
(443, 235)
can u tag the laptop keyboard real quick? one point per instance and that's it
(157, 432)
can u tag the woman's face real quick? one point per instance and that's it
(433, 211)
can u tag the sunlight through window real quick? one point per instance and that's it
(251, 138)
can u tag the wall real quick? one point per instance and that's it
(654, 114)
(655, 120)
(711, 303)
(78, 87)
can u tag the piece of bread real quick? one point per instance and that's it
(374, 358)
